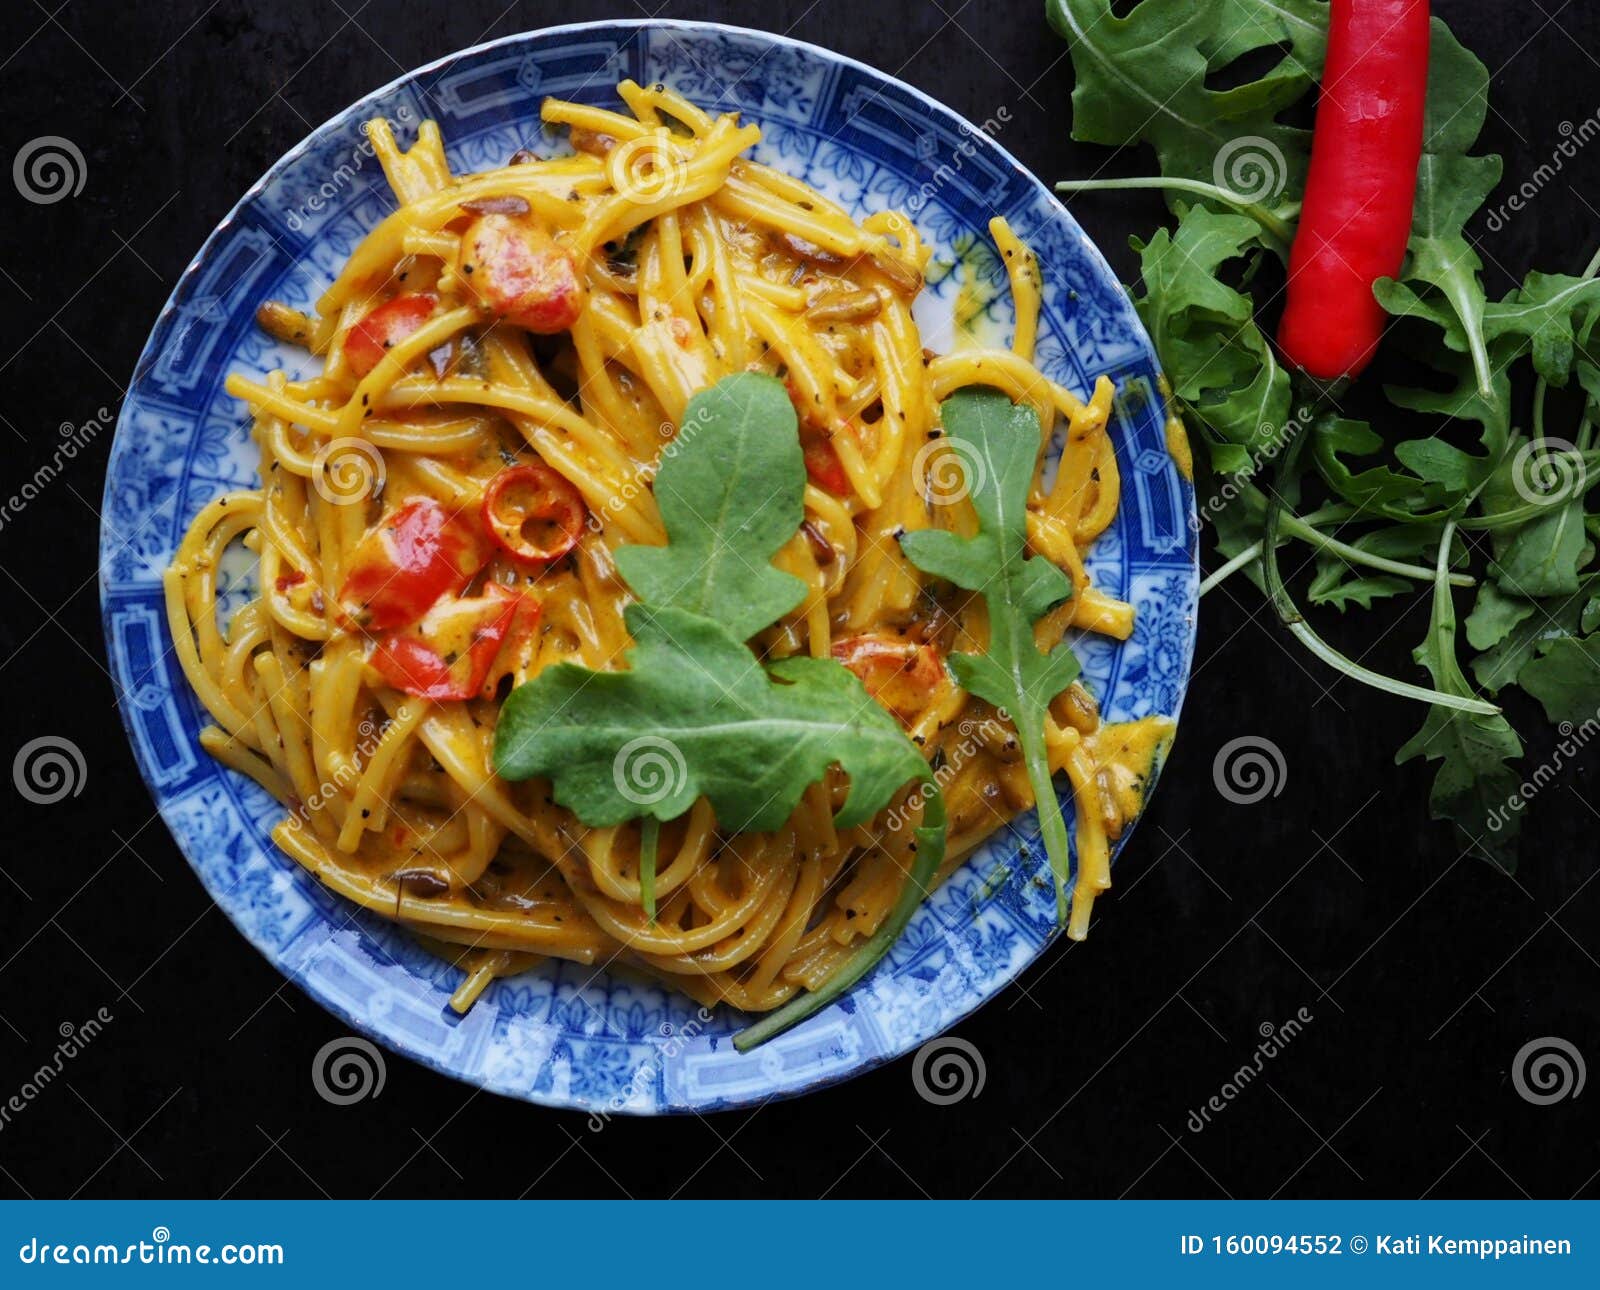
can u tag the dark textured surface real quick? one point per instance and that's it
(1423, 972)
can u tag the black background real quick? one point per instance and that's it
(1424, 972)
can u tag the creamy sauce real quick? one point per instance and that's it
(1177, 437)
(1128, 754)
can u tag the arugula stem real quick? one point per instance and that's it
(1355, 555)
(1302, 528)
(1052, 825)
(1219, 576)
(929, 843)
(1291, 617)
(649, 842)
(1279, 229)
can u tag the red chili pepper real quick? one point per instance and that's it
(400, 568)
(533, 513)
(447, 656)
(1356, 218)
(383, 329)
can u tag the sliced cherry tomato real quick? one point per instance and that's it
(822, 461)
(518, 271)
(449, 653)
(824, 466)
(401, 568)
(900, 674)
(516, 651)
(533, 513)
(384, 328)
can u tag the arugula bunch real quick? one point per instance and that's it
(1498, 508)
(696, 712)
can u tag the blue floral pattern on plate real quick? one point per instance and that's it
(563, 1035)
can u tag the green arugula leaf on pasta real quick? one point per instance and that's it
(998, 443)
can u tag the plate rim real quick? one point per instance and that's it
(361, 1024)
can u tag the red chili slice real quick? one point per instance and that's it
(447, 656)
(533, 513)
(401, 568)
(384, 328)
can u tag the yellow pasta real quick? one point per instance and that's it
(688, 262)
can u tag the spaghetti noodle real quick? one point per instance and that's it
(519, 345)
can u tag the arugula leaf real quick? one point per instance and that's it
(1565, 678)
(727, 505)
(1494, 616)
(1142, 78)
(1543, 557)
(999, 443)
(1451, 186)
(695, 712)
(1502, 663)
(1548, 312)
(1217, 359)
(1334, 585)
(748, 738)
(1475, 779)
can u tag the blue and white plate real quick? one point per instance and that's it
(557, 1035)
